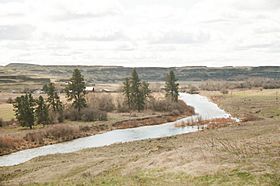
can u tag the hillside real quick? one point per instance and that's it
(112, 74)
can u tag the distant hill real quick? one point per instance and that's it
(105, 74)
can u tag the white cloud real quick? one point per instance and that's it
(140, 33)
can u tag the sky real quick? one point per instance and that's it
(140, 32)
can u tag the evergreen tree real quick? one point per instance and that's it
(24, 109)
(42, 113)
(145, 90)
(75, 90)
(53, 99)
(135, 91)
(126, 89)
(171, 87)
(136, 96)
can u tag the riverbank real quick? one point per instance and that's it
(247, 154)
(14, 140)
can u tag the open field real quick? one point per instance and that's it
(244, 154)
(6, 111)
(255, 102)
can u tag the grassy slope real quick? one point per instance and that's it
(237, 155)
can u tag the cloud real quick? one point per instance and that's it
(16, 32)
(98, 37)
(179, 37)
(9, 1)
(140, 33)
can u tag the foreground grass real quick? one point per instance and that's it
(245, 154)
(156, 177)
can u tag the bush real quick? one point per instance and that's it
(7, 123)
(8, 142)
(193, 89)
(175, 112)
(106, 104)
(62, 132)
(224, 91)
(86, 114)
(35, 137)
(72, 114)
(103, 102)
(93, 115)
(10, 101)
(84, 128)
(122, 107)
(56, 117)
(175, 108)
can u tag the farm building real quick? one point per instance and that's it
(89, 89)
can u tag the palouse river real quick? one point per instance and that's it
(204, 109)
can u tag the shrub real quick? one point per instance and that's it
(8, 142)
(62, 132)
(224, 91)
(7, 123)
(56, 117)
(122, 107)
(103, 102)
(35, 137)
(106, 104)
(193, 89)
(10, 101)
(84, 128)
(93, 115)
(175, 112)
(175, 108)
(86, 114)
(72, 114)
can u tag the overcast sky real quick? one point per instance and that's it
(140, 32)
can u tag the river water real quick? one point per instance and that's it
(204, 109)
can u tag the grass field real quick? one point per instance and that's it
(260, 103)
(6, 112)
(244, 154)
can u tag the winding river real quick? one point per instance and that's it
(204, 109)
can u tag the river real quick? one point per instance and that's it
(204, 109)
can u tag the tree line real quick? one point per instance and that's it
(29, 111)
(136, 91)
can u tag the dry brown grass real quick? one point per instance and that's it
(210, 123)
(6, 111)
(251, 148)
(49, 135)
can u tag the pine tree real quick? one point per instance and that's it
(75, 90)
(53, 99)
(135, 91)
(136, 97)
(126, 90)
(171, 87)
(42, 113)
(145, 89)
(24, 109)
